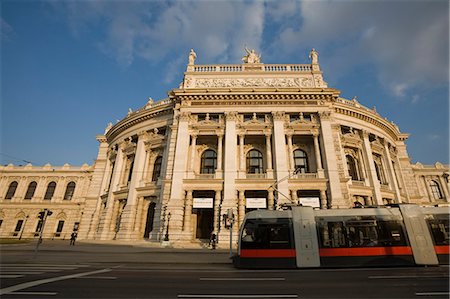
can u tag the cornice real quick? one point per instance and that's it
(137, 118)
(371, 118)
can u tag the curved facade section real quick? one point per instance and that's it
(239, 138)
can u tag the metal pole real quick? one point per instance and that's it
(41, 232)
(23, 227)
(231, 238)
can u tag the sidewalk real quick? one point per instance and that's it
(110, 252)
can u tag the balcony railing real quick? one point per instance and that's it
(255, 175)
(311, 175)
(358, 183)
(205, 176)
(265, 68)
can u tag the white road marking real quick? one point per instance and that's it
(43, 281)
(97, 277)
(408, 276)
(52, 268)
(10, 276)
(45, 265)
(433, 294)
(244, 278)
(236, 296)
(34, 293)
(20, 272)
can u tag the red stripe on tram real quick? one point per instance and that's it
(267, 253)
(366, 251)
(442, 249)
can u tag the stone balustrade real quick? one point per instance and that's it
(266, 68)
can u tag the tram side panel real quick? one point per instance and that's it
(356, 237)
(306, 244)
(419, 235)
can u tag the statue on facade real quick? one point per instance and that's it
(192, 57)
(108, 127)
(314, 56)
(251, 56)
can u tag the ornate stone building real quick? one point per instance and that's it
(240, 137)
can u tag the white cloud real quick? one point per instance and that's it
(405, 41)
(7, 31)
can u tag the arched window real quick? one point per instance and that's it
(254, 162)
(11, 190)
(157, 169)
(435, 190)
(70, 190)
(301, 161)
(208, 162)
(352, 168)
(50, 190)
(30, 191)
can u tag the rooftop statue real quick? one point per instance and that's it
(192, 57)
(314, 56)
(251, 56)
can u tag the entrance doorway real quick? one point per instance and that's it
(150, 217)
(205, 223)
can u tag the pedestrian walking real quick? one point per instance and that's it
(213, 240)
(73, 237)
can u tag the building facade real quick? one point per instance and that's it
(241, 137)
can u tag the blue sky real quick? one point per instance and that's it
(68, 68)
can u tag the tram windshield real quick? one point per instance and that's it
(267, 233)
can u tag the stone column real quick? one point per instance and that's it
(241, 207)
(269, 169)
(106, 177)
(374, 182)
(188, 213)
(241, 153)
(336, 197)
(216, 211)
(281, 162)
(294, 197)
(176, 201)
(270, 200)
(291, 154)
(392, 173)
(145, 173)
(427, 186)
(320, 173)
(229, 200)
(323, 199)
(193, 152)
(219, 152)
(444, 188)
(129, 212)
(107, 228)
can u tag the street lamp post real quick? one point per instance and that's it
(23, 228)
(166, 236)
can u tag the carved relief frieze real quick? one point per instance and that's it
(279, 115)
(254, 82)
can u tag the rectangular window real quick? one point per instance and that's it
(75, 226)
(60, 226)
(39, 226)
(18, 225)
(268, 234)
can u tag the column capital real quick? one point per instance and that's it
(325, 115)
(184, 116)
(231, 115)
(278, 115)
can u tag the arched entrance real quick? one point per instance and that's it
(150, 218)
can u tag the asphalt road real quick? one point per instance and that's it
(113, 272)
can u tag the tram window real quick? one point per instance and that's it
(332, 234)
(439, 228)
(267, 233)
(391, 233)
(362, 233)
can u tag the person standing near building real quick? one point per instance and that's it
(73, 237)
